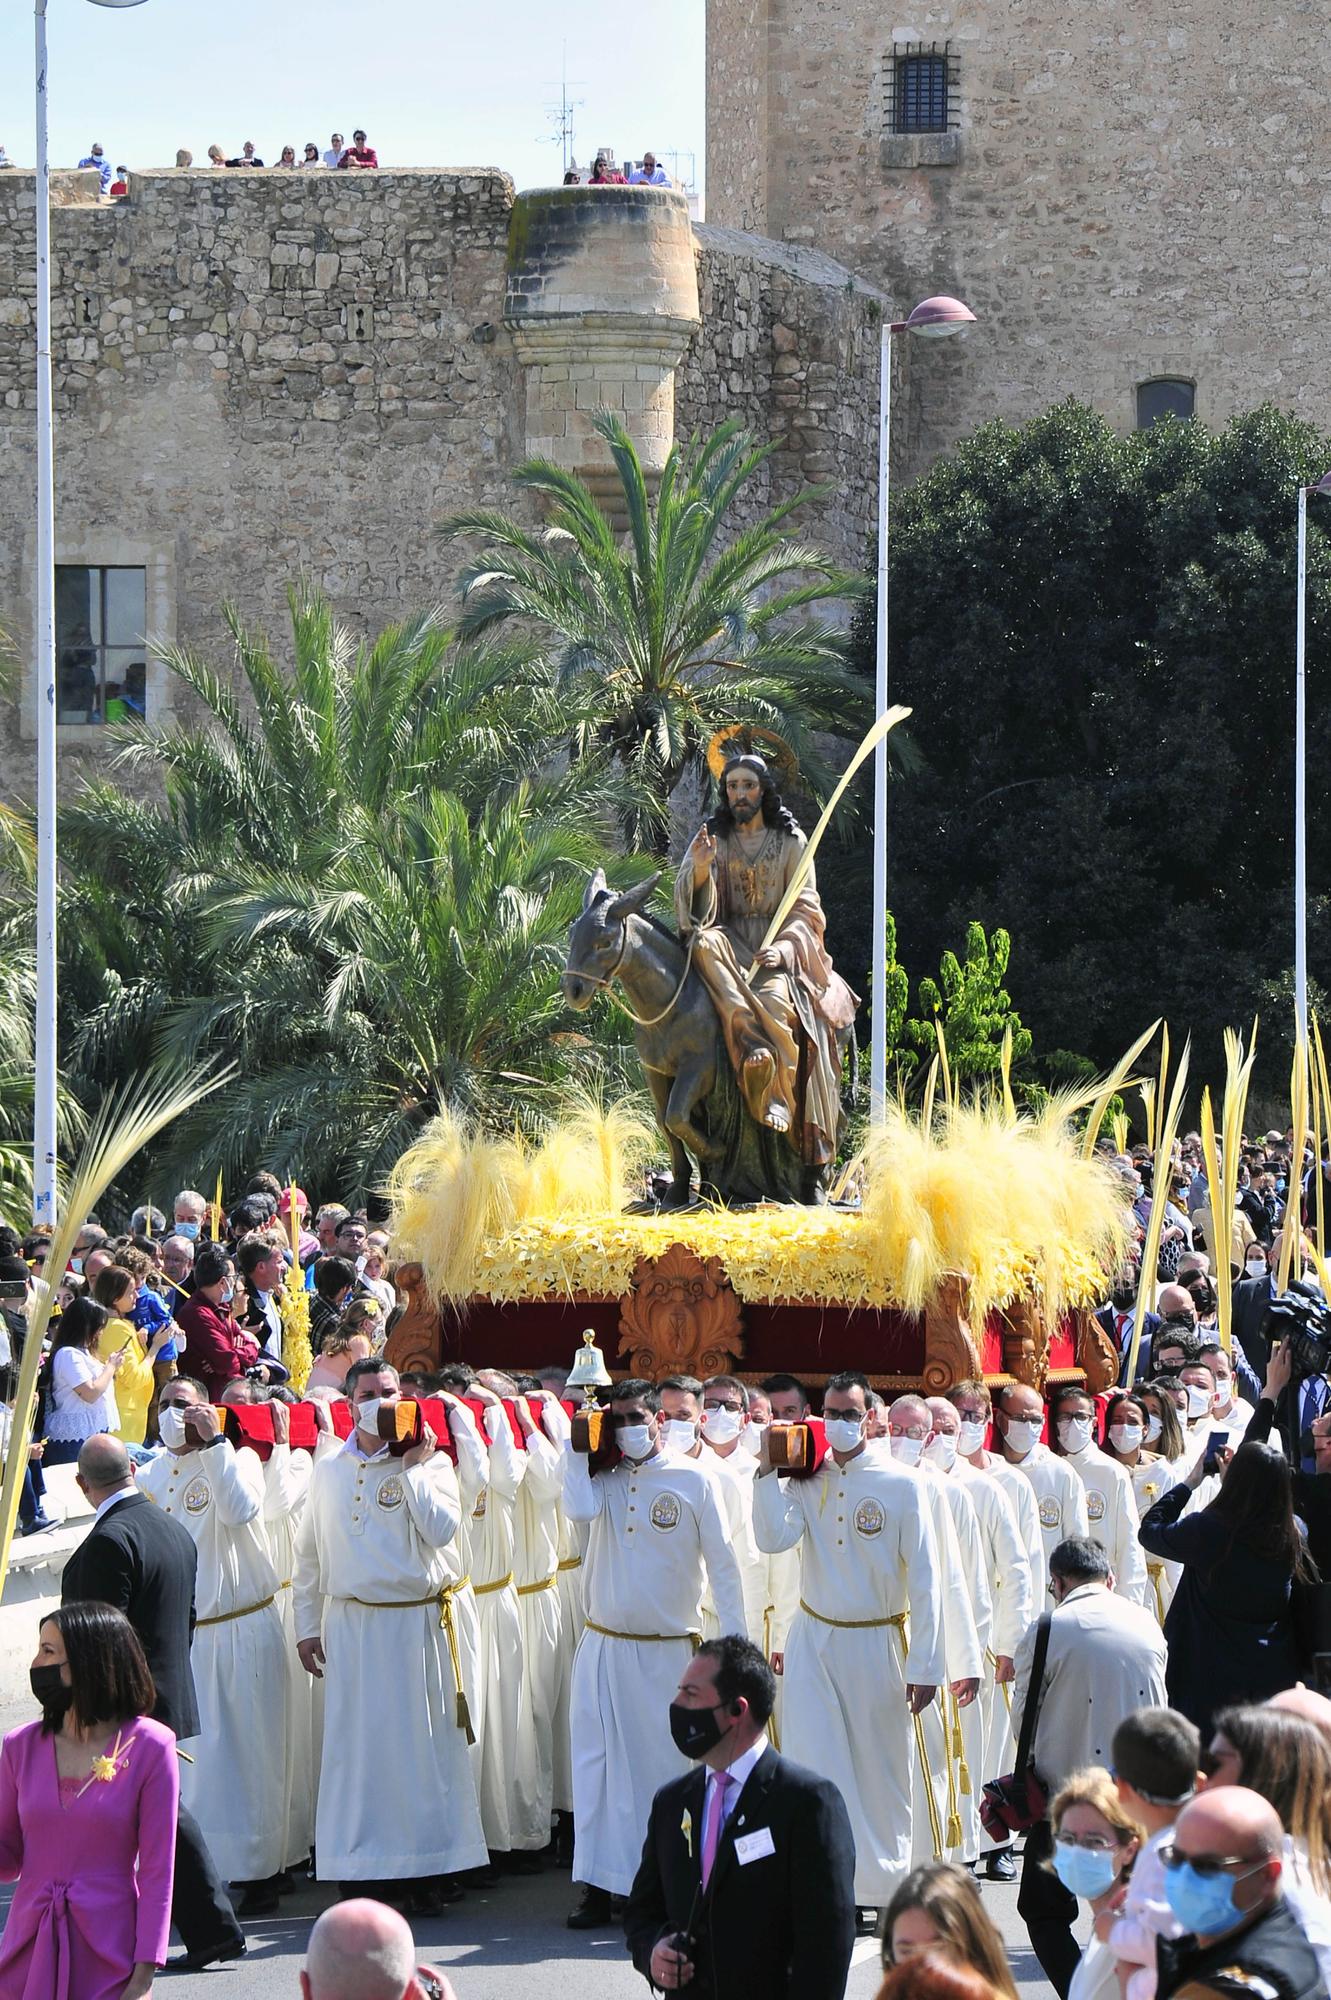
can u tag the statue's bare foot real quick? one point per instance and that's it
(777, 1118)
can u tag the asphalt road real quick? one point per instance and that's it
(511, 1944)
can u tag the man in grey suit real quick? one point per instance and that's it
(1106, 1659)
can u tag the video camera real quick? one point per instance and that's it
(1301, 1318)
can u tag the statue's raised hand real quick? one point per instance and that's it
(701, 854)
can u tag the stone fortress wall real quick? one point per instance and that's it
(1124, 192)
(263, 375)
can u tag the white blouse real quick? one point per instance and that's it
(69, 1418)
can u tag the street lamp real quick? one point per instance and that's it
(1322, 485)
(44, 1050)
(933, 319)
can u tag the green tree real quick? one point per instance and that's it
(1096, 635)
(356, 883)
(697, 620)
(970, 1003)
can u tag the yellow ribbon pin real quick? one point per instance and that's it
(686, 1828)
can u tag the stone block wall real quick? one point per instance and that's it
(1130, 191)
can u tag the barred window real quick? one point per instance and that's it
(923, 88)
(1167, 396)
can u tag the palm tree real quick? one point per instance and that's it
(694, 622)
(407, 965)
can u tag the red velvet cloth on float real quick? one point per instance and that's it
(399, 1424)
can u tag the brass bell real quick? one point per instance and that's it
(589, 1371)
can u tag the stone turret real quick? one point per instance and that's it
(601, 300)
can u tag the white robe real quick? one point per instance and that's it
(239, 1785)
(1020, 1495)
(396, 1795)
(735, 1476)
(1152, 1477)
(941, 1748)
(286, 1482)
(1059, 1494)
(1111, 1509)
(1008, 1566)
(507, 1782)
(868, 1557)
(654, 1525)
(572, 1543)
(537, 1526)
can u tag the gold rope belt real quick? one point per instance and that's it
(1007, 1691)
(571, 1562)
(898, 1619)
(444, 1599)
(245, 1611)
(500, 1583)
(646, 1638)
(528, 1589)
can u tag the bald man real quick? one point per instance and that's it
(1059, 1494)
(362, 1950)
(1305, 1701)
(1224, 1884)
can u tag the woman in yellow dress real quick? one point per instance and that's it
(116, 1289)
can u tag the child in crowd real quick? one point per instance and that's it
(1156, 1753)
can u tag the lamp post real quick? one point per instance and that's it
(1322, 485)
(934, 319)
(44, 1049)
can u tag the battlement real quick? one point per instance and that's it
(261, 374)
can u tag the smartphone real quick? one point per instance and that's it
(1219, 1442)
(12, 1290)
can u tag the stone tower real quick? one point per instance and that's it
(1131, 194)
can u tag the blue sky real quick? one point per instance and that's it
(433, 84)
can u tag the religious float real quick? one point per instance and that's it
(967, 1238)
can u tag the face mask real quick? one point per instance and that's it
(1256, 1267)
(942, 1451)
(190, 1229)
(970, 1438)
(1075, 1433)
(695, 1731)
(1223, 1396)
(228, 1293)
(1084, 1870)
(722, 1426)
(171, 1427)
(1129, 1437)
(681, 1434)
(367, 1415)
(76, 1264)
(843, 1433)
(1154, 1426)
(635, 1440)
(908, 1450)
(1203, 1904)
(1022, 1437)
(1199, 1400)
(751, 1438)
(48, 1690)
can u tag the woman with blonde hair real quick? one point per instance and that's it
(338, 1355)
(1095, 1843)
(938, 1909)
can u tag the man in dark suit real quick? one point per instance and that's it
(747, 1878)
(1252, 1298)
(139, 1559)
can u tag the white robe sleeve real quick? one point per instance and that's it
(307, 1597)
(286, 1481)
(508, 1465)
(545, 1468)
(723, 1569)
(926, 1661)
(473, 1459)
(237, 1482)
(1126, 1552)
(583, 1492)
(778, 1517)
(556, 1422)
(433, 1501)
(1014, 1591)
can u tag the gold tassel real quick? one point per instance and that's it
(954, 1830)
(464, 1718)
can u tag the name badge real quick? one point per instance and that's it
(753, 1846)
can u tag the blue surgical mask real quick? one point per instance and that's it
(1087, 1871)
(1203, 1904)
(190, 1229)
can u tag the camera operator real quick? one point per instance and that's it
(1312, 1485)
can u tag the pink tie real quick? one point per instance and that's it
(720, 1781)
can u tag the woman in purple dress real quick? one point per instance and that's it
(88, 1801)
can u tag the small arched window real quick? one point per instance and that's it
(1167, 396)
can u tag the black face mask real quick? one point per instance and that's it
(695, 1730)
(49, 1690)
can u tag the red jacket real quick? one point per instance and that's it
(216, 1349)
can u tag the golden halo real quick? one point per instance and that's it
(740, 739)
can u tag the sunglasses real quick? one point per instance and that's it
(1208, 1865)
